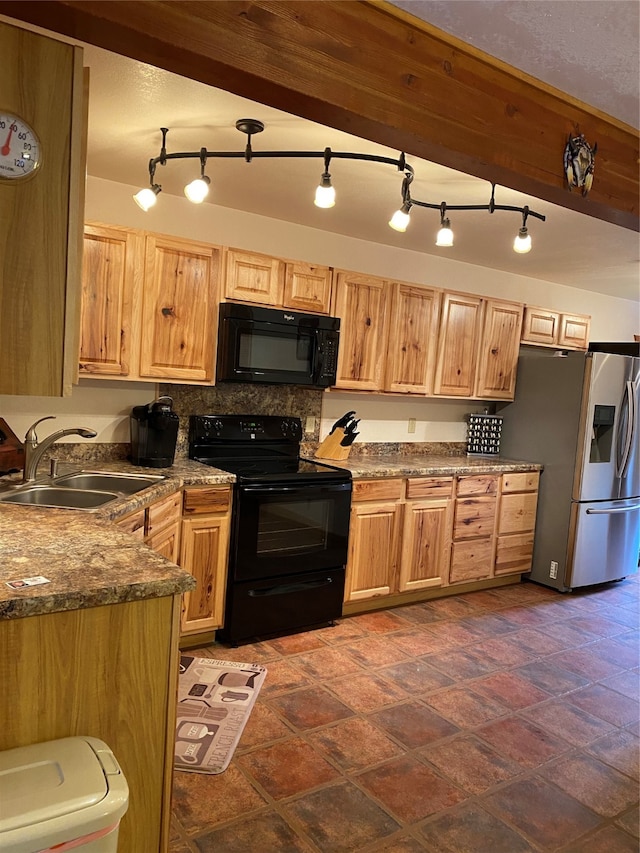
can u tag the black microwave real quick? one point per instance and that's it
(276, 346)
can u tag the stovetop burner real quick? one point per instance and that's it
(260, 448)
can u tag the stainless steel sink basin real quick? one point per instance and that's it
(125, 484)
(64, 498)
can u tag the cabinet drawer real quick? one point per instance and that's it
(163, 513)
(517, 512)
(471, 560)
(133, 524)
(377, 490)
(474, 517)
(482, 484)
(210, 499)
(525, 482)
(514, 553)
(430, 487)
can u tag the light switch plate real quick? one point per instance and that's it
(310, 424)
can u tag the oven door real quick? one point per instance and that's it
(289, 529)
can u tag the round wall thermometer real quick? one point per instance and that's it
(19, 148)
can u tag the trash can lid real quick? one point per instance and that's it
(48, 780)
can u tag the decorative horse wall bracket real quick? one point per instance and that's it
(579, 163)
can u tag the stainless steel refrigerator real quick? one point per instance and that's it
(578, 414)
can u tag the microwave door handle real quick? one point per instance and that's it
(624, 442)
(318, 360)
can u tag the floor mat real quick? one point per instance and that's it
(215, 698)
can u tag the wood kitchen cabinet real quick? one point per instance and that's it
(411, 348)
(149, 306)
(426, 535)
(374, 532)
(498, 351)
(204, 553)
(157, 525)
(361, 302)
(274, 282)
(516, 522)
(474, 525)
(458, 344)
(111, 286)
(546, 328)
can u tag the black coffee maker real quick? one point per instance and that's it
(154, 432)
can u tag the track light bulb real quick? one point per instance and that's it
(325, 193)
(444, 236)
(401, 218)
(522, 243)
(147, 197)
(197, 190)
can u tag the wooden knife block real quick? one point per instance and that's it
(331, 448)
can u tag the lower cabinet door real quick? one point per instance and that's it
(426, 544)
(373, 549)
(471, 560)
(203, 553)
(166, 542)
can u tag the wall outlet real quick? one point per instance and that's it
(411, 427)
(310, 424)
(553, 569)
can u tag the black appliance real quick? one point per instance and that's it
(154, 432)
(290, 525)
(276, 346)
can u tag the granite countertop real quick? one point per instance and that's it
(422, 465)
(88, 561)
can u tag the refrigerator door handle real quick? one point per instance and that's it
(625, 452)
(613, 510)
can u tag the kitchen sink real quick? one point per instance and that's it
(125, 484)
(64, 498)
(85, 490)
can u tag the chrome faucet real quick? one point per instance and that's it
(34, 451)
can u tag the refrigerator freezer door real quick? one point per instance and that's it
(609, 430)
(606, 543)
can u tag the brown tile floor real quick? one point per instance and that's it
(502, 721)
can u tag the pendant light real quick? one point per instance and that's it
(325, 193)
(522, 243)
(198, 189)
(444, 236)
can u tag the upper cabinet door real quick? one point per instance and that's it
(412, 339)
(251, 277)
(307, 287)
(574, 331)
(111, 272)
(361, 304)
(458, 342)
(178, 309)
(499, 348)
(540, 326)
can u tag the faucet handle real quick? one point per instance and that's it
(31, 432)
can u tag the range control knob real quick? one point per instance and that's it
(217, 425)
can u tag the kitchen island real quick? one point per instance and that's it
(94, 651)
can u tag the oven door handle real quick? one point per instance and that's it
(286, 588)
(265, 490)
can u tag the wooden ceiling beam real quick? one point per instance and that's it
(369, 69)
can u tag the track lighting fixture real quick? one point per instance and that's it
(325, 196)
(325, 193)
(147, 197)
(444, 236)
(198, 189)
(522, 243)
(401, 218)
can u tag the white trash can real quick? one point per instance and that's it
(66, 794)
